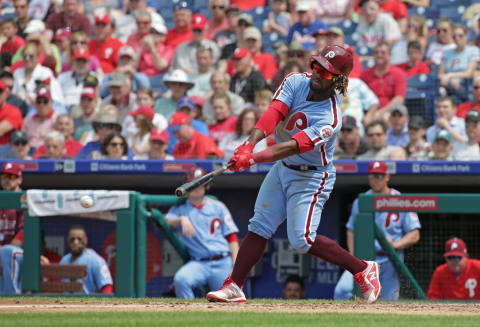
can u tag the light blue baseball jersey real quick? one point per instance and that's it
(212, 223)
(321, 121)
(393, 224)
(98, 274)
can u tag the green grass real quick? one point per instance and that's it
(231, 319)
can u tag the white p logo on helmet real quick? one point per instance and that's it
(330, 54)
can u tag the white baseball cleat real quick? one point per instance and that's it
(369, 281)
(229, 292)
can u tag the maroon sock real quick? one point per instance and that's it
(249, 254)
(329, 250)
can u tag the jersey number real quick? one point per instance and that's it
(298, 120)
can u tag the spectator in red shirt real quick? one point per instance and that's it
(415, 65)
(218, 22)
(182, 32)
(10, 116)
(459, 277)
(191, 144)
(465, 107)
(397, 9)
(264, 62)
(389, 83)
(105, 47)
(70, 17)
(248, 4)
(13, 42)
(224, 121)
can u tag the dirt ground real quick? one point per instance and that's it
(408, 308)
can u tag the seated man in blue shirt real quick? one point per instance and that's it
(397, 134)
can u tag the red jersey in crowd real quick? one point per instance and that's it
(71, 149)
(175, 37)
(419, 68)
(465, 107)
(12, 46)
(219, 130)
(106, 52)
(199, 147)
(395, 8)
(248, 4)
(81, 23)
(12, 115)
(447, 286)
(386, 87)
(11, 225)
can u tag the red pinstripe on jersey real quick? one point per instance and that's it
(281, 86)
(312, 207)
(324, 155)
(335, 117)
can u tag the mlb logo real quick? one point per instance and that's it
(326, 132)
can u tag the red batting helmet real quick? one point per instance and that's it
(194, 173)
(335, 59)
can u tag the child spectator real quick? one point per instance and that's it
(261, 102)
(278, 18)
(143, 120)
(13, 42)
(415, 65)
(417, 30)
(224, 121)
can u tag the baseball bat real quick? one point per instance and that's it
(183, 190)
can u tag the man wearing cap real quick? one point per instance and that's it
(376, 26)
(178, 84)
(465, 107)
(19, 146)
(402, 230)
(442, 146)
(72, 81)
(218, 22)
(418, 147)
(88, 105)
(377, 140)
(70, 17)
(120, 95)
(351, 143)
(11, 233)
(264, 62)
(10, 116)
(446, 119)
(247, 80)
(37, 126)
(229, 34)
(307, 24)
(244, 21)
(182, 31)
(459, 277)
(158, 143)
(104, 46)
(201, 79)
(185, 57)
(397, 134)
(191, 144)
(469, 150)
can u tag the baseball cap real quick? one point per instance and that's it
(145, 111)
(198, 100)
(252, 33)
(62, 34)
(416, 122)
(349, 122)
(472, 115)
(443, 134)
(116, 79)
(320, 31)
(303, 5)
(3, 86)
(43, 92)
(240, 53)
(335, 30)
(89, 92)
(159, 27)
(102, 19)
(177, 119)
(91, 81)
(12, 168)
(399, 108)
(126, 50)
(246, 17)
(198, 22)
(81, 53)
(156, 135)
(377, 167)
(455, 247)
(185, 102)
(297, 46)
(35, 26)
(18, 136)
(181, 5)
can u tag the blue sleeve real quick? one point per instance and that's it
(173, 213)
(101, 272)
(104, 91)
(201, 127)
(290, 33)
(410, 222)
(142, 81)
(228, 225)
(351, 220)
(324, 130)
(286, 90)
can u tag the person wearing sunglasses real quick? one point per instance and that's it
(114, 147)
(305, 115)
(351, 143)
(402, 230)
(98, 279)
(459, 277)
(218, 21)
(443, 40)
(10, 116)
(19, 146)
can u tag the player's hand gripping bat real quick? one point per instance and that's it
(185, 189)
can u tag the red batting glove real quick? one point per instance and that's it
(242, 161)
(245, 148)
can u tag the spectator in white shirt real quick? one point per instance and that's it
(469, 150)
(446, 119)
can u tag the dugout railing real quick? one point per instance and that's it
(366, 231)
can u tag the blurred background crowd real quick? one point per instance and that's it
(157, 79)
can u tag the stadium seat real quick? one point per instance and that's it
(421, 93)
(454, 13)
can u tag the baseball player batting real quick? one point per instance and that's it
(305, 114)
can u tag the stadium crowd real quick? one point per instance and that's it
(143, 79)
